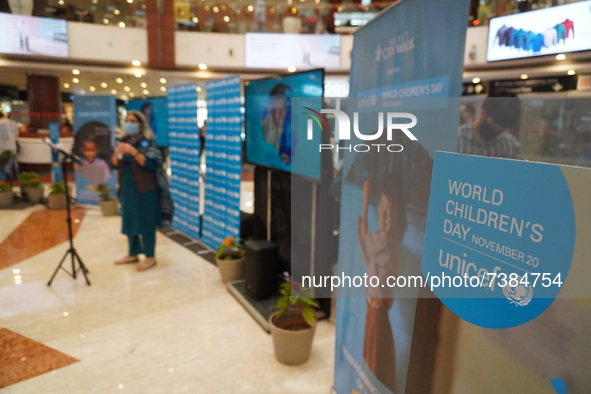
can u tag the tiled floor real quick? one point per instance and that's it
(171, 329)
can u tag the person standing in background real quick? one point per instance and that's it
(138, 160)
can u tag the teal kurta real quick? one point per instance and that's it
(140, 212)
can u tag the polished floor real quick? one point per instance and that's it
(171, 329)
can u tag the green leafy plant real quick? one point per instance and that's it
(104, 192)
(57, 189)
(4, 187)
(7, 154)
(230, 249)
(297, 307)
(29, 179)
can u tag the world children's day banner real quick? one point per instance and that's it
(413, 50)
(221, 217)
(183, 134)
(507, 248)
(95, 119)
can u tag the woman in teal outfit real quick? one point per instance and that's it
(138, 160)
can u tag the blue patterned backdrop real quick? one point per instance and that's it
(223, 150)
(183, 134)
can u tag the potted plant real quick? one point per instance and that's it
(57, 196)
(31, 186)
(294, 324)
(229, 258)
(107, 203)
(6, 196)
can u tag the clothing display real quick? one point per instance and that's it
(532, 41)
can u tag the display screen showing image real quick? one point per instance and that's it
(548, 31)
(28, 35)
(275, 138)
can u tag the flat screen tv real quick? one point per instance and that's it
(275, 132)
(548, 31)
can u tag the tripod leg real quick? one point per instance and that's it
(57, 269)
(82, 266)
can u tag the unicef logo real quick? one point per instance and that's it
(519, 295)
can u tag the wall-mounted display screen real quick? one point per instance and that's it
(28, 35)
(548, 31)
(275, 138)
(302, 51)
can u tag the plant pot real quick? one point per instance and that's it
(292, 347)
(57, 202)
(34, 195)
(108, 207)
(231, 270)
(6, 199)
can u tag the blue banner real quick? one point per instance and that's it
(413, 49)
(95, 119)
(183, 134)
(223, 148)
(156, 112)
(56, 160)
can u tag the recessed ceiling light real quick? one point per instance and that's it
(127, 88)
(131, 94)
(136, 63)
(199, 88)
(130, 1)
(119, 80)
(92, 88)
(103, 85)
(146, 92)
(144, 85)
(76, 71)
(571, 72)
(226, 19)
(162, 80)
(116, 11)
(476, 80)
(291, 69)
(195, 19)
(113, 91)
(202, 66)
(163, 88)
(75, 80)
(561, 56)
(138, 74)
(524, 76)
(66, 85)
(105, 21)
(122, 25)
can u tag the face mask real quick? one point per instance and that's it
(131, 128)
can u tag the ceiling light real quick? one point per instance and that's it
(144, 85)
(119, 80)
(75, 80)
(82, 91)
(524, 76)
(138, 74)
(76, 71)
(136, 63)
(202, 66)
(226, 19)
(476, 80)
(92, 88)
(250, 8)
(113, 91)
(163, 88)
(216, 9)
(116, 11)
(122, 25)
(291, 69)
(130, 1)
(195, 20)
(127, 88)
(131, 94)
(103, 85)
(561, 56)
(105, 21)
(198, 88)
(146, 92)
(66, 85)
(162, 80)
(571, 72)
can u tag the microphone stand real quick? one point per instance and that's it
(66, 158)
